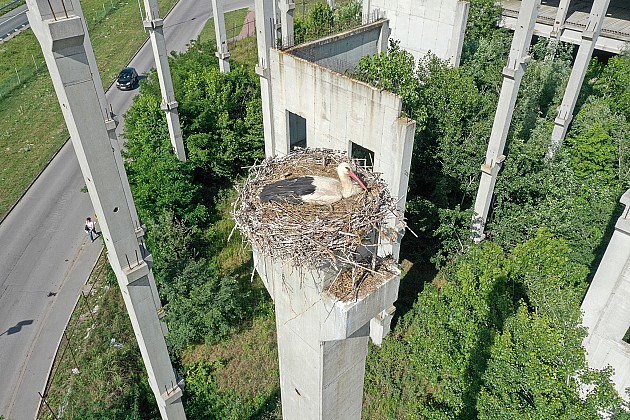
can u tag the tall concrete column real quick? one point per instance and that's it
(223, 54)
(512, 76)
(322, 341)
(287, 8)
(331, 3)
(155, 24)
(60, 29)
(561, 17)
(265, 32)
(585, 51)
(606, 309)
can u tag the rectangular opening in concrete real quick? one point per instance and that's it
(363, 155)
(297, 130)
(626, 337)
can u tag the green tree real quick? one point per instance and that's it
(202, 306)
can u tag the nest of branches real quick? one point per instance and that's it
(312, 236)
(359, 281)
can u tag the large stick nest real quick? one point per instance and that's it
(307, 235)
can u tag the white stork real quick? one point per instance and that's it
(321, 190)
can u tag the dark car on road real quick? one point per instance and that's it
(127, 79)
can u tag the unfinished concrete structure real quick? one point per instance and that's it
(580, 65)
(606, 307)
(601, 24)
(155, 24)
(309, 102)
(435, 26)
(61, 31)
(512, 76)
(223, 54)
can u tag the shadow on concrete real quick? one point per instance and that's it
(17, 327)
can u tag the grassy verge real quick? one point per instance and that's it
(98, 369)
(233, 25)
(32, 128)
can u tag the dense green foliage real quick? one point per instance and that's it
(495, 336)
(222, 123)
(321, 20)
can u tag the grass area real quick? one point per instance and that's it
(32, 128)
(9, 5)
(99, 368)
(233, 25)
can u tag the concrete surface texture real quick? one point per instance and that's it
(322, 342)
(437, 26)
(606, 306)
(61, 33)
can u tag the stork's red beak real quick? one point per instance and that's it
(356, 178)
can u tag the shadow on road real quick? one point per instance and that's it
(17, 327)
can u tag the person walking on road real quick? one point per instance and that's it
(90, 228)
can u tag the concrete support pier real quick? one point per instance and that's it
(60, 29)
(606, 306)
(223, 54)
(264, 14)
(287, 9)
(571, 93)
(322, 342)
(512, 76)
(154, 24)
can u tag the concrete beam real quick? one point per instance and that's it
(223, 54)
(512, 75)
(572, 91)
(154, 24)
(69, 57)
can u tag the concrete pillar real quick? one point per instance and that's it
(60, 30)
(606, 306)
(331, 3)
(265, 32)
(366, 11)
(155, 24)
(219, 30)
(322, 342)
(585, 51)
(456, 44)
(287, 8)
(561, 17)
(512, 75)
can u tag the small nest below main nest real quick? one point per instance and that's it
(356, 283)
(308, 235)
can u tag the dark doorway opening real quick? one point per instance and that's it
(361, 154)
(297, 131)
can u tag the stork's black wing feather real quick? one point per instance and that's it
(288, 190)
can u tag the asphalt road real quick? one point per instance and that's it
(13, 21)
(45, 256)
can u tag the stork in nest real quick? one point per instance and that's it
(313, 189)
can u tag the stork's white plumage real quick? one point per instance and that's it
(314, 189)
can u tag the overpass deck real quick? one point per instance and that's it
(615, 34)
